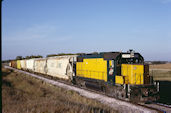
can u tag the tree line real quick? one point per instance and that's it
(28, 57)
(50, 55)
(39, 56)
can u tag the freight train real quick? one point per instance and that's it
(122, 75)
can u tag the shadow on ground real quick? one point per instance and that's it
(165, 92)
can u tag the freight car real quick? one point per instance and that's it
(18, 64)
(30, 64)
(121, 75)
(23, 64)
(60, 66)
(14, 63)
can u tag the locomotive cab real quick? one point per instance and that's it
(134, 75)
(130, 66)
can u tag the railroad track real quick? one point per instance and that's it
(144, 108)
(160, 106)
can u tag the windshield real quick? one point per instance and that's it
(131, 61)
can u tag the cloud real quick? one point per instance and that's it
(165, 1)
(39, 33)
(36, 39)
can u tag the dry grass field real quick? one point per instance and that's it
(161, 66)
(161, 72)
(24, 94)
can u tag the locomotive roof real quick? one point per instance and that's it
(62, 56)
(107, 55)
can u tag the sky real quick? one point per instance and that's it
(42, 27)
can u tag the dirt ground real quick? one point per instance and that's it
(24, 94)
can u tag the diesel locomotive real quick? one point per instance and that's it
(122, 75)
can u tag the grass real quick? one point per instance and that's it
(161, 66)
(161, 75)
(24, 94)
(161, 72)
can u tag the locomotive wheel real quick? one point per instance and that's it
(103, 88)
(135, 95)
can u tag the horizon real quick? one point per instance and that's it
(46, 56)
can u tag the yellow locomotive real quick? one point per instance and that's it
(118, 74)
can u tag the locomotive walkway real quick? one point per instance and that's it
(121, 106)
